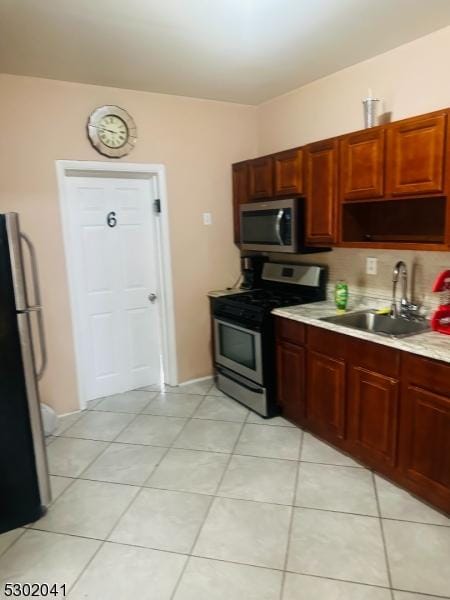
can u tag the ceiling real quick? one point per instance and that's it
(235, 50)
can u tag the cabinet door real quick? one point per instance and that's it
(291, 381)
(362, 165)
(425, 432)
(261, 178)
(325, 398)
(288, 173)
(321, 192)
(373, 416)
(415, 156)
(240, 195)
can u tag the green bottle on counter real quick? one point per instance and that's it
(341, 295)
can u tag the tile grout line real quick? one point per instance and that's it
(420, 594)
(383, 538)
(183, 570)
(114, 441)
(291, 520)
(14, 542)
(163, 389)
(79, 416)
(78, 478)
(116, 522)
(214, 496)
(102, 543)
(232, 454)
(371, 585)
(141, 412)
(105, 449)
(168, 448)
(243, 423)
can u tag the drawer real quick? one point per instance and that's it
(426, 373)
(374, 357)
(328, 342)
(290, 331)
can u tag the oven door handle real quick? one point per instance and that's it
(280, 216)
(240, 381)
(251, 329)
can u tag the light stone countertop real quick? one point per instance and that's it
(227, 292)
(431, 344)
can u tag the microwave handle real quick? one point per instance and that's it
(280, 216)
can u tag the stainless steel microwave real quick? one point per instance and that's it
(272, 226)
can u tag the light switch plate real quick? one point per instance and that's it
(371, 265)
(207, 218)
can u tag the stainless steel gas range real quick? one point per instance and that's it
(244, 338)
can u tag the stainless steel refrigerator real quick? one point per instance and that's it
(24, 480)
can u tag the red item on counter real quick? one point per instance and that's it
(440, 321)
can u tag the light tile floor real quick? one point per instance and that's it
(183, 494)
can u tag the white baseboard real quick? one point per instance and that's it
(69, 413)
(195, 380)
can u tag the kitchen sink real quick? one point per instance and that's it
(369, 320)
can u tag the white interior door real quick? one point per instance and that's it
(115, 266)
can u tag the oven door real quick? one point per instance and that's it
(238, 349)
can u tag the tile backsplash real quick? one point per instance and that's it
(349, 264)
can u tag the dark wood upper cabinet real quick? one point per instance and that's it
(362, 165)
(321, 191)
(416, 156)
(373, 409)
(240, 195)
(260, 178)
(288, 172)
(384, 187)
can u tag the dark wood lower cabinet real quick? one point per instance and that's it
(425, 428)
(387, 408)
(291, 381)
(373, 410)
(426, 457)
(325, 398)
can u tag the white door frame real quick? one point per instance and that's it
(65, 168)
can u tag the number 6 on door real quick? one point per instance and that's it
(111, 219)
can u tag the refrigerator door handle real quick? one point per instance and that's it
(23, 320)
(16, 257)
(37, 308)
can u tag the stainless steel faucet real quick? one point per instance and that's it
(407, 309)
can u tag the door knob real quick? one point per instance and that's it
(152, 297)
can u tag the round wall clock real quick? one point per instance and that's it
(111, 131)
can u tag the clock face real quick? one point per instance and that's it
(112, 131)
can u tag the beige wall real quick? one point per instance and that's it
(411, 79)
(42, 121)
